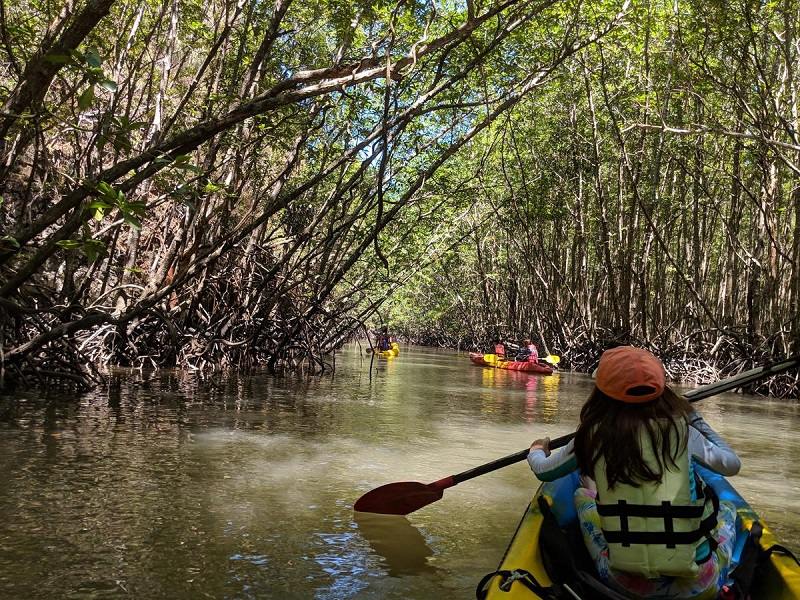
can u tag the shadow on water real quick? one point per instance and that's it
(397, 541)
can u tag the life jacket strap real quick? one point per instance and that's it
(666, 511)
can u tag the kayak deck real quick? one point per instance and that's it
(778, 580)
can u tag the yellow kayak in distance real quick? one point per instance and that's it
(545, 548)
(391, 353)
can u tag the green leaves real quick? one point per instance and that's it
(183, 161)
(99, 207)
(110, 198)
(8, 243)
(107, 200)
(69, 244)
(92, 58)
(118, 131)
(58, 59)
(89, 65)
(108, 85)
(86, 98)
(91, 248)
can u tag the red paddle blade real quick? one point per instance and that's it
(398, 498)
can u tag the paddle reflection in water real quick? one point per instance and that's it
(396, 540)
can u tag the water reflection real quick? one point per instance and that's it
(550, 399)
(396, 540)
(530, 397)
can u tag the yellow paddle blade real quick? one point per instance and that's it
(552, 359)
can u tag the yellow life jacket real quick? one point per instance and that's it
(659, 528)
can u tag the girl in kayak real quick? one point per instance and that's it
(649, 522)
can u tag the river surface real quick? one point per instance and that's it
(180, 485)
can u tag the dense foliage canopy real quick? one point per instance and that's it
(227, 183)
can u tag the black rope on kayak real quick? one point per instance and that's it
(509, 577)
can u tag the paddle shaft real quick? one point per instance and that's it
(692, 395)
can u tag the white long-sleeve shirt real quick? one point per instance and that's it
(705, 446)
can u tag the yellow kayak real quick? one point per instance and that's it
(522, 574)
(391, 353)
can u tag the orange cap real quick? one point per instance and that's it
(630, 375)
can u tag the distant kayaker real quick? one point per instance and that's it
(528, 352)
(649, 522)
(384, 341)
(499, 348)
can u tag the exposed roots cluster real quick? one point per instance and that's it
(200, 335)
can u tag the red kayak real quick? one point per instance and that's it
(530, 367)
(490, 360)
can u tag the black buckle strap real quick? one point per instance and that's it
(666, 511)
(509, 577)
(626, 538)
(710, 522)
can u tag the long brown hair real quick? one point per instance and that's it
(612, 429)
